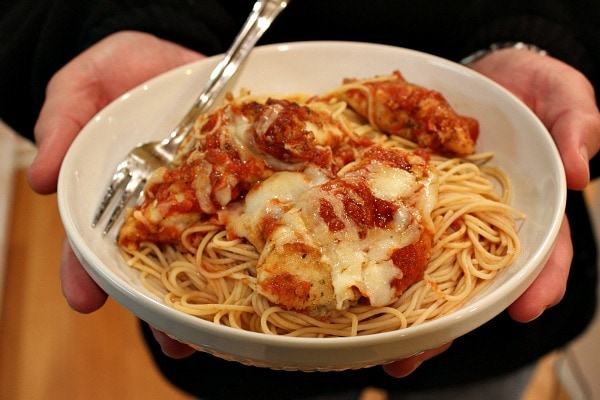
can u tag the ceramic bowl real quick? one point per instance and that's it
(523, 148)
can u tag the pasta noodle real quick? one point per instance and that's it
(212, 274)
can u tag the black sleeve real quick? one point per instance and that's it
(568, 30)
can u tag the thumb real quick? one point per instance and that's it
(60, 120)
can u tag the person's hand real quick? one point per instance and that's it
(73, 96)
(560, 96)
(84, 86)
(564, 101)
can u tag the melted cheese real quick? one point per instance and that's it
(328, 211)
(284, 215)
(359, 260)
(269, 201)
(389, 183)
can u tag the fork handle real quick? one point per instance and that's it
(262, 15)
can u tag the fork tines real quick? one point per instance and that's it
(129, 186)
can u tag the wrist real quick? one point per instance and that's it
(479, 54)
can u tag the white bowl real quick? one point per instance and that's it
(523, 147)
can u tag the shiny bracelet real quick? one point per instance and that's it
(471, 58)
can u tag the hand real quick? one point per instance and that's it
(564, 101)
(87, 84)
(560, 96)
(73, 96)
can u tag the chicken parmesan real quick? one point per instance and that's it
(324, 214)
(401, 108)
(326, 243)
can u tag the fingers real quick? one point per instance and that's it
(89, 82)
(80, 290)
(568, 109)
(577, 136)
(60, 120)
(405, 367)
(560, 96)
(85, 296)
(549, 287)
(171, 347)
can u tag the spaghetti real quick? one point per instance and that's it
(210, 271)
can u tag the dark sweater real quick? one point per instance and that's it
(37, 37)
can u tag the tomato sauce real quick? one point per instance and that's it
(412, 261)
(360, 205)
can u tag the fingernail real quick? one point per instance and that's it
(585, 158)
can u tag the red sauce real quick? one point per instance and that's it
(423, 153)
(327, 213)
(472, 126)
(412, 261)
(395, 158)
(267, 225)
(286, 136)
(418, 114)
(175, 194)
(360, 205)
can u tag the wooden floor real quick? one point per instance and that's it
(48, 351)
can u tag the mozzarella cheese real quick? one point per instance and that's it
(337, 235)
(336, 218)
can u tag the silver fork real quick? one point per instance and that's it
(131, 174)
